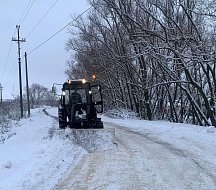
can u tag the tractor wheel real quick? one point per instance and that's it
(99, 124)
(62, 125)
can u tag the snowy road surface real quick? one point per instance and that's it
(140, 162)
(143, 155)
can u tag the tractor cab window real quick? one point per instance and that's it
(78, 96)
(67, 95)
(96, 95)
(97, 98)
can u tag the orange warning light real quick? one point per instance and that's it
(94, 76)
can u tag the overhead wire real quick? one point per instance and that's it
(20, 21)
(8, 54)
(12, 76)
(42, 18)
(7, 58)
(37, 47)
(22, 15)
(27, 11)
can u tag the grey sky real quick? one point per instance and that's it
(46, 64)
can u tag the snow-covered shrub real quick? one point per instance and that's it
(13, 108)
(121, 114)
(4, 124)
(9, 111)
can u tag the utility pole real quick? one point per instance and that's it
(1, 88)
(18, 40)
(27, 85)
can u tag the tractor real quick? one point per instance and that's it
(79, 104)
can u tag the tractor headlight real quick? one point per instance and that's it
(84, 81)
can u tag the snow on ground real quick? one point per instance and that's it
(196, 140)
(38, 155)
(35, 158)
(149, 156)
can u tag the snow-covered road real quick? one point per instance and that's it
(140, 162)
(143, 155)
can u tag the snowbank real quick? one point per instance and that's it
(38, 155)
(36, 158)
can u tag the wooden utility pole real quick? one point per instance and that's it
(1, 88)
(27, 85)
(18, 40)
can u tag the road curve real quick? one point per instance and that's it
(139, 163)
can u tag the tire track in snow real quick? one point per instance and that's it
(141, 161)
(48, 114)
(202, 165)
(203, 168)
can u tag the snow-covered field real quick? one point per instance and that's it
(38, 156)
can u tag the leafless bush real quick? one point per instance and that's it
(9, 111)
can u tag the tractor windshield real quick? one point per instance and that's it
(75, 96)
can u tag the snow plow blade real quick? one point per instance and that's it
(91, 139)
(85, 124)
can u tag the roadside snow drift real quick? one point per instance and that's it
(38, 154)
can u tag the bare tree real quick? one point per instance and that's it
(37, 94)
(155, 57)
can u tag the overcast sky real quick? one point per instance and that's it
(48, 63)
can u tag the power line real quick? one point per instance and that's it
(27, 11)
(7, 58)
(12, 79)
(24, 12)
(4, 68)
(22, 18)
(12, 76)
(59, 31)
(42, 18)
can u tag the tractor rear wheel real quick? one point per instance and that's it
(62, 125)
